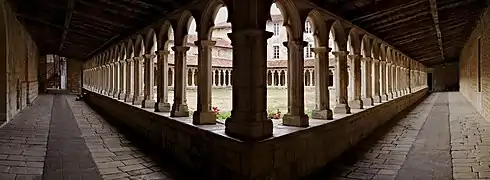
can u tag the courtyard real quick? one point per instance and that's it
(277, 99)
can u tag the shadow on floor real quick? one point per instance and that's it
(166, 162)
(335, 168)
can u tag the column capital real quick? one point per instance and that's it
(138, 58)
(354, 56)
(300, 44)
(321, 49)
(249, 34)
(162, 52)
(205, 43)
(129, 60)
(340, 53)
(180, 48)
(149, 56)
(367, 58)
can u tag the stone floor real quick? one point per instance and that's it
(60, 138)
(443, 137)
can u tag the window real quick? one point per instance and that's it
(307, 27)
(276, 52)
(308, 52)
(276, 29)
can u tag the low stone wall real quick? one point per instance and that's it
(292, 153)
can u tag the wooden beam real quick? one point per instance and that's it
(386, 12)
(57, 26)
(401, 21)
(435, 17)
(69, 14)
(91, 17)
(113, 11)
(401, 17)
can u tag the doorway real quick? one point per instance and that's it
(429, 81)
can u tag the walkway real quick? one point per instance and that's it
(60, 138)
(441, 138)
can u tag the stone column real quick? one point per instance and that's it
(296, 102)
(285, 78)
(179, 108)
(213, 77)
(384, 83)
(109, 79)
(162, 104)
(229, 78)
(148, 98)
(218, 80)
(249, 115)
(104, 79)
(356, 81)
(116, 76)
(273, 79)
(377, 96)
(311, 77)
(322, 109)
(368, 95)
(341, 82)
(122, 80)
(137, 93)
(203, 113)
(129, 81)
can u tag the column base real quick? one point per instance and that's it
(356, 104)
(342, 108)
(295, 120)
(377, 99)
(115, 95)
(121, 96)
(200, 118)
(249, 130)
(322, 114)
(149, 103)
(128, 98)
(163, 107)
(137, 100)
(384, 97)
(368, 101)
(179, 110)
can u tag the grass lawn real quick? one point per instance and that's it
(276, 99)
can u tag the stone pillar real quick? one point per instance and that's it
(286, 78)
(377, 96)
(341, 82)
(105, 79)
(109, 79)
(296, 102)
(311, 77)
(229, 78)
(384, 83)
(273, 79)
(249, 115)
(203, 113)
(129, 80)
(148, 99)
(162, 104)
(137, 93)
(115, 77)
(356, 81)
(322, 109)
(213, 77)
(179, 108)
(122, 80)
(368, 95)
(218, 80)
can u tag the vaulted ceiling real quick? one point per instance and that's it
(430, 31)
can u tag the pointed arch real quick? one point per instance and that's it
(375, 46)
(355, 36)
(163, 35)
(339, 37)
(130, 48)
(321, 27)
(292, 21)
(139, 46)
(208, 16)
(122, 51)
(382, 52)
(366, 46)
(150, 42)
(182, 27)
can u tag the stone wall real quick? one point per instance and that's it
(74, 76)
(475, 86)
(292, 153)
(445, 77)
(20, 57)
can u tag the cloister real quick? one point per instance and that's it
(86, 91)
